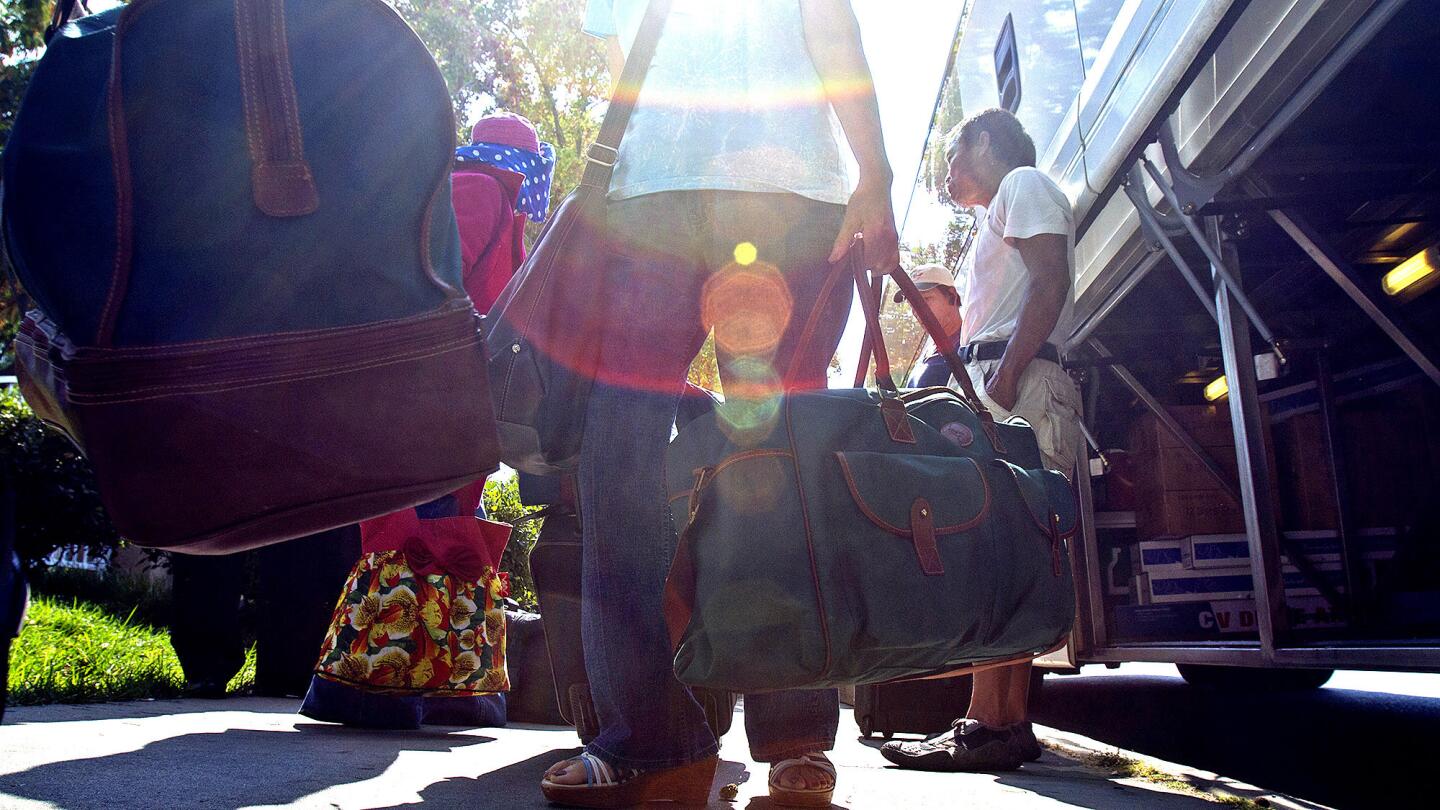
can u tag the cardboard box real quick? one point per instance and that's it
(1213, 620)
(1208, 425)
(1318, 546)
(1303, 475)
(1187, 512)
(1160, 554)
(1214, 550)
(1174, 493)
(1235, 582)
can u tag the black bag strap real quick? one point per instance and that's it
(59, 16)
(601, 156)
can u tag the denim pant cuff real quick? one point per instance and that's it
(792, 750)
(616, 761)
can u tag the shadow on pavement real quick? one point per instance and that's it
(1338, 747)
(230, 769)
(135, 709)
(518, 786)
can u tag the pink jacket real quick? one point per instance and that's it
(492, 234)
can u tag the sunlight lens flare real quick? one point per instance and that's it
(746, 253)
(752, 400)
(748, 307)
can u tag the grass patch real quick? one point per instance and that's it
(1123, 767)
(75, 652)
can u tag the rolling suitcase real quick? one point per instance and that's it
(555, 565)
(531, 698)
(911, 707)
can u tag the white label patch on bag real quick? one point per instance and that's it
(959, 433)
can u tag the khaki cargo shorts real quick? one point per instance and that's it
(1049, 400)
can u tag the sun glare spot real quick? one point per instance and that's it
(746, 253)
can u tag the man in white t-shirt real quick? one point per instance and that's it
(1016, 297)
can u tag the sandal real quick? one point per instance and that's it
(607, 786)
(802, 797)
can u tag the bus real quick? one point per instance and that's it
(1258, 230)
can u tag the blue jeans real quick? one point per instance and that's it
(752, 266)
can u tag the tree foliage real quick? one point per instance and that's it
(903, 331)
(523, 56)
(21, 37)
(57, 501)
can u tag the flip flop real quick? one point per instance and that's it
(802, 797)
(609, 787)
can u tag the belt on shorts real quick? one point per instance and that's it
(994, 350)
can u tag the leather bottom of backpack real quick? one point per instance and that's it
(222, 446)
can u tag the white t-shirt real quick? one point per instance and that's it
(731, 101)
(992, 278)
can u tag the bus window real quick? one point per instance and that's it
(1048, 50)
(1093, 20)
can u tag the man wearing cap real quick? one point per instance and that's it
(937, 287)
(1016, 288)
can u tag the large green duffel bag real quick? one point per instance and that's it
(870, 536)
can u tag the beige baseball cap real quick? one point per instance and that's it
(928, 276)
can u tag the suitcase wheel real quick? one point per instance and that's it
(887, 734)
(866, 726)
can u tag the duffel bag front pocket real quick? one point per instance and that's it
(909, 563)
(943, 566)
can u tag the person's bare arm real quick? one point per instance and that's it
(1046, 257)
(832, 36)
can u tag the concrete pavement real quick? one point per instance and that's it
(256, 752)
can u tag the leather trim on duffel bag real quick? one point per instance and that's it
(224, 445)
(869, 508)
(1048, 497)
(43, 382)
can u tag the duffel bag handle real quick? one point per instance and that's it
(952, 359)
(871, 305)
(874, 338)
(282, 184)
(870, 290)
(937, 334)
(850, 265)
(874, 290)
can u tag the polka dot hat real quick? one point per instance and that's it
(508, 141)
